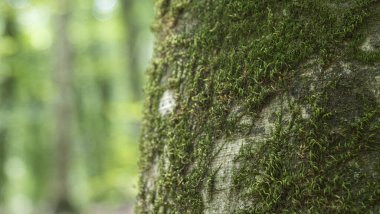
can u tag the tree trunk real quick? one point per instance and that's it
(7, 93)
(133, 31)
(64, 110)
(263, 107)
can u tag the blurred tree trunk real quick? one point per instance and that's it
(133, 51)
(7, 87)
(64, 108)
(263, 107)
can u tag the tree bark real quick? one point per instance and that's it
(263, 107)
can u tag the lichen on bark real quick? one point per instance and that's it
(276, 108)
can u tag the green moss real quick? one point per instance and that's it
(315, 165)
(216, 54)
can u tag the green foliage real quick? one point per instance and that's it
(218, 54)
(106, 120)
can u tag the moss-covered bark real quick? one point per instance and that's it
(263, 107)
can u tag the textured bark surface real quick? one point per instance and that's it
(263, 107)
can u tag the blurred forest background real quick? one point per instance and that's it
(71, 76)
